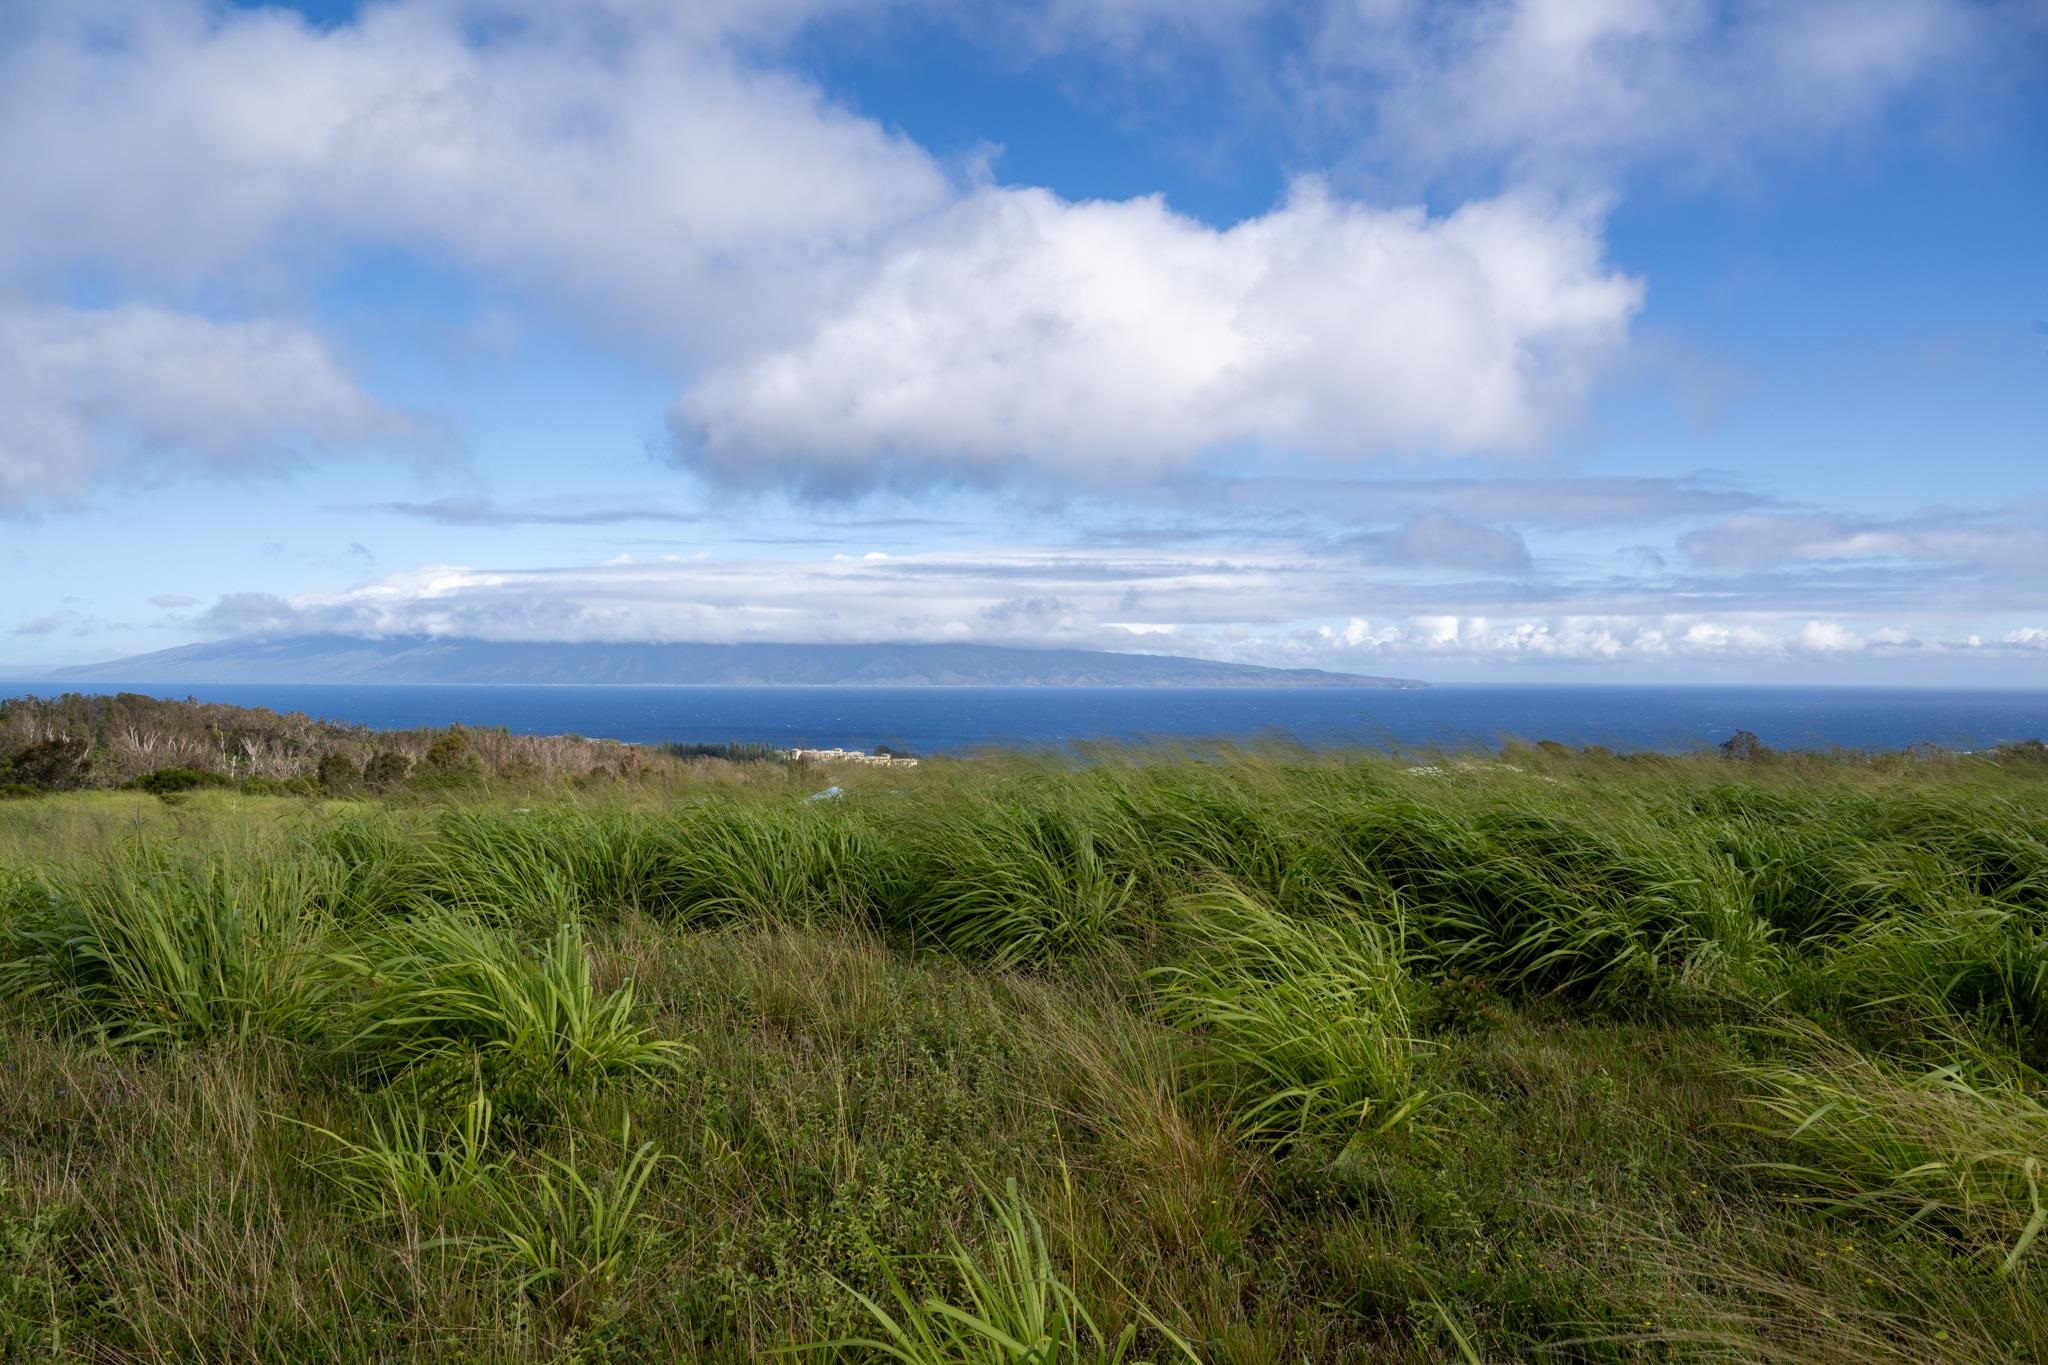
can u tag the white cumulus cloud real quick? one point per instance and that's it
(652, 170)
(620, 158)
(85, 394)
(1113, 341)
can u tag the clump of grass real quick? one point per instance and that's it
(563, 1237)
(1011, 1307)
(1199, 823)
(448, 981)
(506, 865)
(1954, 1145)
(1014, 883)
(152, 946)
(1540, 900)
(404, 1170)
(737, 860)
(1971, 961)
(567, 1239)
(755, 863)
(1299, 1027)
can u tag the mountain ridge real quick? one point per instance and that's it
(419, 659)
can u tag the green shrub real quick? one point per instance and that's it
(450, 761)
(165, 781)
(386, 769)
(338, 774)
(58, 763)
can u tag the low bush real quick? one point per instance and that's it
(165, 781)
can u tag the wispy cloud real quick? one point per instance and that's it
(1438, 540)
(484, 512)
(1563, 89)
(1553, 501)
(2013, 538)
(64, 622)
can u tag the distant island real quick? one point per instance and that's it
(427, 659)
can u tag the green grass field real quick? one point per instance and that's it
(1231, 1057)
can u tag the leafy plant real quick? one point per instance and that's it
(1011, 1308)
(566, 1238)
(403, 1169)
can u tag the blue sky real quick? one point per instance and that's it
(1539, 340)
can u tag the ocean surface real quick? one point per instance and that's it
(951, 720)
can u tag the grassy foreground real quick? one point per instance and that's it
(1239, 1057)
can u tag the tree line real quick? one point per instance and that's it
(78, 740)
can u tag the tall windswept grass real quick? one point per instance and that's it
(1968, 960)
(739, 860)
(1536, 899)
(1198, 823)
(1014, 883)
(151, 945)
(1299, 1028)
(1746, 1060)
(528, 867)
(448, 981)
(1952, 1145)
(793, 863)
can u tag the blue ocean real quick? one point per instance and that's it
(954, 720)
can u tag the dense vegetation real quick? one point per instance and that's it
(80, 740)
(1249, 1057)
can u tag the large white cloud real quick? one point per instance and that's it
(619, 157)
(1113, 341)
(651, 168)
(634, 163)
(615, 158)
(89, 393)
